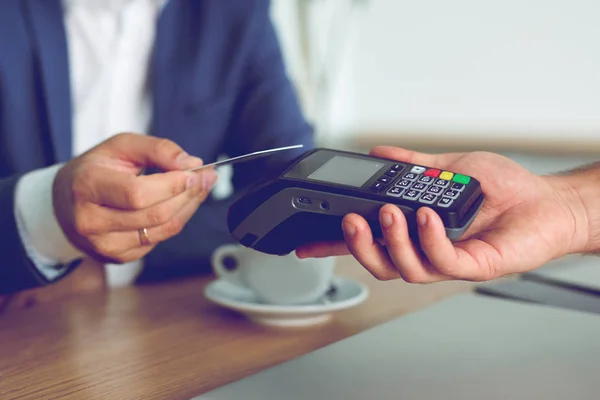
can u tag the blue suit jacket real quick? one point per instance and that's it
(219, 87)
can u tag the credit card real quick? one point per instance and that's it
(247, 157)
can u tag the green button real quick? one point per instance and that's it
(458, 178)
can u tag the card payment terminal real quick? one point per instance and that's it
(307, 201)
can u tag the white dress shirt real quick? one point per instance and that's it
(110, 44)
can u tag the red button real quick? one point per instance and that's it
(432, 172)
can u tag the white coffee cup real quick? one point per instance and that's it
(284, 280)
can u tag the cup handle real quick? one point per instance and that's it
(218, 259)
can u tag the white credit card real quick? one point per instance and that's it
(247, 157)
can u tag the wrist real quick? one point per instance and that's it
(579, 191)
(34, 210)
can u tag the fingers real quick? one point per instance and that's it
(160, 233)
(435, 244)
(151, 151)
(129, 192)
(446, 258)
(400, 258)
(437, 259)
(127, 246)
(413, 157)
(368, 252)
(93, 219)
(403, 252)
(112, 234)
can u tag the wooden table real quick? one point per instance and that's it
(166, 341)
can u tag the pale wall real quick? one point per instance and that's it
(505, 68)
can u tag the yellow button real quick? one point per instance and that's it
(446, 175)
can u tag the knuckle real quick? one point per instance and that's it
(412, 277)
(164, 146)
(381, 277)
(173, 227)
(377, 274)
(486, 274)
(80, 187)
(447, 269)
(135, 196)
(492, 271)
(83, 224)
(158, 215)
(381, 274)
(180, 184)
(177, 182)
(120, 137)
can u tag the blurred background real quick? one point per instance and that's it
(519, 78)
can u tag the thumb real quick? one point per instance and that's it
(151, 151)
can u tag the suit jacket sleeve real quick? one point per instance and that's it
(17, 271)
(267, 114)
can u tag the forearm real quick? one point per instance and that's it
(583, 186)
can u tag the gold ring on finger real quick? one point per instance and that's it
(144, 239)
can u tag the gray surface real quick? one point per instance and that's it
(467, 347)
(576, 270)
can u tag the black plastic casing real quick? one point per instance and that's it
(315, 224)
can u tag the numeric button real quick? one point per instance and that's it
(411, 176)
(411, 194)
(419, 186)
(445, 202)
(435, 189)
(453, 194)
(404, 183)
(441, 183)
(428, 198)
(426, 179)
(458, 186)
(395, 191)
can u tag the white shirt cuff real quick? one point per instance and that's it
(40, 233)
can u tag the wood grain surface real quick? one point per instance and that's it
(166, 341)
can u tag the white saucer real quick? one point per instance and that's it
(346, 293)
